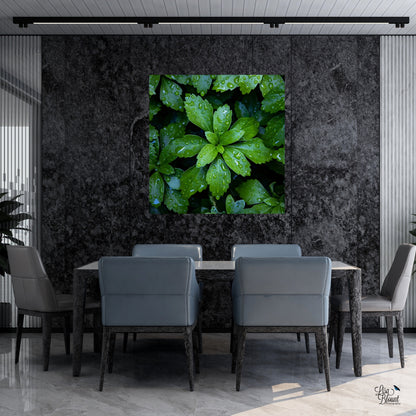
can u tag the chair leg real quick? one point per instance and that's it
(67, 328)
(19, 330)
(307, 342)
(232, 336)
(125, 339)
(195, 342)
(389, 325)
(323, 344)
(189, 355)
(46, 339)
(241, 346)
(110, 354)
(342, 322)
(399, 323)
(199, 330)
(333, 330)
(104, 356)
(319, 347)
(234, 332)
(298, 336)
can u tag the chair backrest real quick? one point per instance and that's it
(143, 291)
(396, 284)
(168, 250)
(31, 286)
(265, 250)
(284, 291)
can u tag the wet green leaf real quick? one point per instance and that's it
(154, 107)
(231, 136)
(153, 83)
(175, 201)
(273, 102)
(274, 135)
(272, 82)
(174, 181)
(186, 146)
(193, 181)
(207, 154)
(279, 155)
(259, 209)
(153, 147)
(170, 132)
(222, 119)
(156, 189)
(236, 161)
(202, 83)
(218, 178)
(225, 83)
(199, 111)
(182, 79)
(234, 207)
(252, 191)
(255, 150)
(248, 82)
(166, 169)
(211, 137)
(249, 125)
(170, 94)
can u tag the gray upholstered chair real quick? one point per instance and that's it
(171, 250)
(389, 303)
(148, 295)
(35, 296)
(281, 295)
(266, 250)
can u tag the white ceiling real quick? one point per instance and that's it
(10, 8)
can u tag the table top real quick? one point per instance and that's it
(225, 265)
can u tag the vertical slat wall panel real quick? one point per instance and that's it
(398, 153)
(20, 86)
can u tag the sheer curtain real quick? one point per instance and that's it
(20, 100)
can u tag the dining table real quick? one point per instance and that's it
(90, 270)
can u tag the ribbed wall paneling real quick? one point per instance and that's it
(20, 86)
(398, 153)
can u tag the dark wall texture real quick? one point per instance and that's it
(95, 150)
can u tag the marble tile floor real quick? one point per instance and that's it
(279, 378)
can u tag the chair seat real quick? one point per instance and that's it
(373, 303)
(66, 302)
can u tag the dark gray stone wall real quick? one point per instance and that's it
(95, 150)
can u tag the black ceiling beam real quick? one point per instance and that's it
(150, 21)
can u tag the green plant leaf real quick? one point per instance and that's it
(279, 155)
(211, 137)
(153, 147)
(170, 132)
(273, 102)
(166, 169)
(236, 161)
(272, 82)
(186, 146)
(271, 201)
(234, 207)
(156, 189)
(250, 107)
(222, 119)
(280, 209)
(182, 79)
(248, 82)
(193, 180)
(255, 150)
(225, 83)
(174, 181)
(154, 108)
(252, 191)
(274, 136)
(218, 178)
(199, 111)
(240, 110)
(231, 136)
(153, 83)
(170, 94)
(202, 83)
(259, 209)
(249, 125)
(175, 201)
(207, 154)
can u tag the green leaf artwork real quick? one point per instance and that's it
(216, 144)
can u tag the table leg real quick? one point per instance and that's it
(354, 286)
(79, 293)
